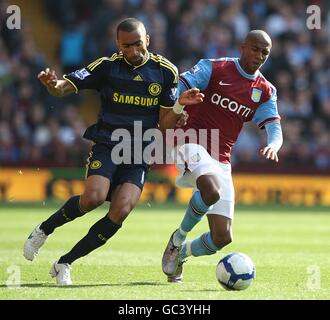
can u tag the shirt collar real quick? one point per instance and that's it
(243, 73)
(140, 65)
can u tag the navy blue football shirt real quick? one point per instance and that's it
(128, 93)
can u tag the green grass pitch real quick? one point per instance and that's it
(290, 249)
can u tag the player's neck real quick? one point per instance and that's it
(145, 59)
(245, 68)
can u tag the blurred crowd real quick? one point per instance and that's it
(37, 129)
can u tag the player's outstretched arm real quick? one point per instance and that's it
(57, 88)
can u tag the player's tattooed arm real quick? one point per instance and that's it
(55, 87)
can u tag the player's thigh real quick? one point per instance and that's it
(99, 162)
(209, 186)
(135, 174)
(193, 162)
(226, 204)
(99, 172)
(195, 158)
(208, 182)
(96, 186)
(124, 199)
(126, 189)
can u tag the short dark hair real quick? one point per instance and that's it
(129, 25)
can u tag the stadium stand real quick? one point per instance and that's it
(39, 130)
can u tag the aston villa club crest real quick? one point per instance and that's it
(196, 158)
(256, 95)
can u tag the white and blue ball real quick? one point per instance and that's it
(236, 271)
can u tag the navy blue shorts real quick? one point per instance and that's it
(100, 163)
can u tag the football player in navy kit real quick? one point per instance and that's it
(135, 85)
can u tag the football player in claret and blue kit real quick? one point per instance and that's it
(235, 92)
(135, 86)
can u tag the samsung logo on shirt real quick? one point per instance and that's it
(135, 100)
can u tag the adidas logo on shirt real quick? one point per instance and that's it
(138, 78)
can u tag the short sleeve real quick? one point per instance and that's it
(170, 89)
(198, 76)
(267, 111)
(90, 77)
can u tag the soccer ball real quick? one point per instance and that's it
(235, 271)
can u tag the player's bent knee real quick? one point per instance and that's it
(92, 200)
(209, 187)
(120, 213)
(211, 196)
(222, 240)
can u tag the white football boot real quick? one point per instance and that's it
(33, 243)
(61, 271)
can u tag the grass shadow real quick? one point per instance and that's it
(45, 285)
(145, 283)
(201, 290)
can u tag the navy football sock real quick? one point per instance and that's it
(70, 211)
(96, 237)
